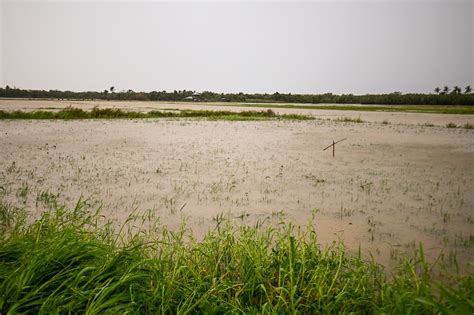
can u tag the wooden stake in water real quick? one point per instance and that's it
(333, 145)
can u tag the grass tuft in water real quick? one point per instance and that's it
(468, 126)
(349, 119)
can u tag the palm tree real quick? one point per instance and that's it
(437, 90)
(456, 90)
(112, 88)
(445, 90)
(467, 90)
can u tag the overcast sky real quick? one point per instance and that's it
(299, 47)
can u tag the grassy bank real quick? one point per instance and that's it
(108, 113)
(74, 262)
(430, 109)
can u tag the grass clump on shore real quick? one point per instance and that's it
(73, 262)
(113, 113)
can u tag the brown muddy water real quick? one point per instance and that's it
(389, 187)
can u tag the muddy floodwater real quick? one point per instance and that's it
(389, 187)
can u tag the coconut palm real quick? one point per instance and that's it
(112, 89)
(445, 90)
(467, 90)
(456, 90)
(437, 90)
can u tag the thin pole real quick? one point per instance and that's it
(333, 145)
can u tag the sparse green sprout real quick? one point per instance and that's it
(23, 191)
(349, 119)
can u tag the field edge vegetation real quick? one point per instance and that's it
(113, 113)
(446, 96)
(427, 109)
(74, 261)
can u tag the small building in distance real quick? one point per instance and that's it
(196, 97)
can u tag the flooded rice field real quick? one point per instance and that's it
(389, 187)
(141, 106)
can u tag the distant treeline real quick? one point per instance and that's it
(454, 97)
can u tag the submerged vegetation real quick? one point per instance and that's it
(109, 113)
(349, 119)
(72, 261)
(465, 126)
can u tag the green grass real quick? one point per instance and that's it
(435, 109)
(71, 261)
(108, 113)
